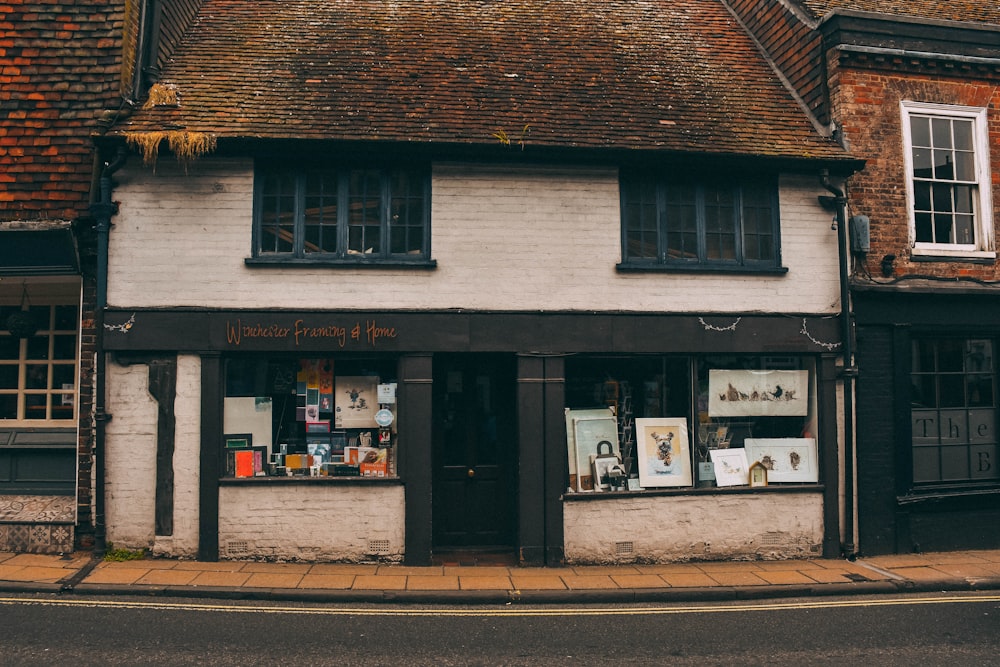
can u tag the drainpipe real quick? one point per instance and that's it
(849, 372)
(102, 212)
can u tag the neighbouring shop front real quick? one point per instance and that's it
(350, 436)
(40, 302)
(928, 474)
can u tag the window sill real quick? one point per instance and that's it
(916, 497)
(348, 263)
(694, 491)
(943, 255)
(305, 479)
(700, 268)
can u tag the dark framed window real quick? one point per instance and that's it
(953, 412)
(675, 223)
(332, 215)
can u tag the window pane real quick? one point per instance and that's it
(8, 406)
(944, 167)
(922, 196)
(277, 226)
(64, 347)
(924, 229)
(639, 218)
(941, 132)
(67, 318)
(682, 222)
(965, 167)
(922, 163)
(951, 355)
(320, 215)
(406, 214)
(10, 347)
(34, 406)
(8, 376)
(38, 347)
(720, 224)
(920, 131)
(364, 217)
(63, 374)
(963, 135)
(37, 376)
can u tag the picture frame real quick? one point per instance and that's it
(743, 393)
(663, 452)
(259, 461)
(584, 429)
(758, 474)
(786, 459)
(238, 440)
(731, 467)
(356, 401)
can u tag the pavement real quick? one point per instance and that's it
(83, 573)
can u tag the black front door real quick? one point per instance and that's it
(475, 452)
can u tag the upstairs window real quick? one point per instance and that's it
(946, 157)
(677, 224)
(348, 216)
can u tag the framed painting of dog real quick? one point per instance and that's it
(663, 452)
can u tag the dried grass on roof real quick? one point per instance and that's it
(186, 146)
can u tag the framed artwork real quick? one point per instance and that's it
(259, 460)
(238, 440)
(584, 429)
(730, 467)
(356, 402)
(249, 414)
(786, 459)
(758, 474)
(740, 393)
(663, 451)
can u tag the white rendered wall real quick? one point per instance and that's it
(130, 458)
(664, 529)
(504, 238)
(312, 522)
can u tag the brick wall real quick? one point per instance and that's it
(867, 102)
(680, 528)
(324, 522)
(504, 239)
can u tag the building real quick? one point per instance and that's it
(58, 71)
(380, 273)
(912, 87)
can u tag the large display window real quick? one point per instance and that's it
(684, 422)
(317, 416)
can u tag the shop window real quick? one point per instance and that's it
(672, 223)
(690, 422)
(309, 417)
(953, 412)
(338, 216)
(947, 163)
(38, 373)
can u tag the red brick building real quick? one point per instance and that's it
(912, 88)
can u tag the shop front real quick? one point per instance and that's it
(411, 436)
(928, 474)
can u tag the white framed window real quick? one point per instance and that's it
(946, 155)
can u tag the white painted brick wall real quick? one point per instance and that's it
(311, 522)
(681, 528)
(504, 238)
(187, 467)
(130, 448)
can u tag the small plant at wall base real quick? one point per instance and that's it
(119, 555)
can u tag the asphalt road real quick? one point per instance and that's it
(949, 629)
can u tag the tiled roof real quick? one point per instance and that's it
(58, 70)
(974, 11)
(676, 75)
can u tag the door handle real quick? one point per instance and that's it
(471, 473)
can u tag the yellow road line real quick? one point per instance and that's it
(506, 611)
